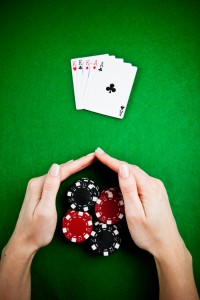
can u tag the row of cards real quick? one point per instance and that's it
(102, 84)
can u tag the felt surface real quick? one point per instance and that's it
(39, 126)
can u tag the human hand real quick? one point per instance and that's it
(148, 213)
(38, 217)
(153, 228)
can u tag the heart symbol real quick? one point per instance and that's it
(74, 68)
(94, 67)
(86, 68)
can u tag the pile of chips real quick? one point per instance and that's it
(81, 223)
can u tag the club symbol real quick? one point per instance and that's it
(80, 68)
(121, 110)
(100, 69)
(111, 88)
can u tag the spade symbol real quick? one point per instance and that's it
(101, 67)
(111, 88)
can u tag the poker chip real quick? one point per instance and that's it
(105, 239)
(97, 223)
(83, 194)
(109, 208)
(77, 226)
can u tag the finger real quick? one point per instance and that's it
(108, 160)
(52, 182)
(50, 188)
(141, 177)
(34, 187)
(32, 196)
(77, 165)
(127, 183)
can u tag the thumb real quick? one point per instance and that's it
(51, 186)
(127, 183)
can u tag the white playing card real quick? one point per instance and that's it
(86, 73)
(110, 89)
(93, 64)
(74, 70)
(97, 66)
(80, 75)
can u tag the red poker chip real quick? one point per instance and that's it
(77, 226)
(109, 207)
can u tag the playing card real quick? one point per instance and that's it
(85, 76)
(81, 70)
(97, 66)
(93, 62)
(110, 89)
(74, 70)
(79, 76)
(102, 84)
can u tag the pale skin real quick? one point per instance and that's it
(149, 218)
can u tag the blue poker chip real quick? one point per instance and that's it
(83, 194)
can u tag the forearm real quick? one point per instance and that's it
(175, 275)
(15, 279)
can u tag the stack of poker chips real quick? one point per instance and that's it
(78, 225)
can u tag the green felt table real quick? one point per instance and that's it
(39, 125)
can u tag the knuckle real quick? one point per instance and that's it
(32, 184)
(46, 214)
(156, 184)
(135, 168)
(42, 215)
(133, 217)
(122, 162)
(128, 189)
(69, 172)
(159, 183)
(66, 170)
(48, 186)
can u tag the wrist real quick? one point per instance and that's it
(17, 249)
(172, 255)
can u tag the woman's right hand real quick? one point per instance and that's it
(148, 212)
(153, 228)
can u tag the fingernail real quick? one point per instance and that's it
(69, 161)
(124, 171)
(99, 151)
(54, 170)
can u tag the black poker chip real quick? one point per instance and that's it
(83, 194)
(97, 223)
(105, 239)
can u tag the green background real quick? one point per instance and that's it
(160, 131)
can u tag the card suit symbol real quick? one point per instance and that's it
(86, 68)
(74, 68)
(94, 67)
(100, 69)
(111, 88)
(80, 68)
(121, 110)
